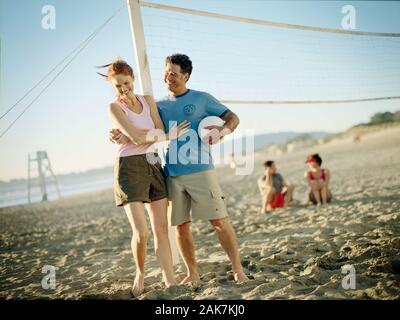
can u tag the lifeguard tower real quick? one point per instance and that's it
(39, 166)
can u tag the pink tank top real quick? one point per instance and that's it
(141, 120)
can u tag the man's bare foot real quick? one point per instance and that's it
(240, 277)
(193, 281)
(138, 285)
(170, 284)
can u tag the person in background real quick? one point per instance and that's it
(318, 180)
(275, 192)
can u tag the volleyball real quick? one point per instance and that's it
(205, 134)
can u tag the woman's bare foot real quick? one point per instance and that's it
(169, 284)
(169, 280)
(193, 281)
(138, 285)
(240, 277)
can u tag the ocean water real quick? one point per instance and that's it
(16, 192)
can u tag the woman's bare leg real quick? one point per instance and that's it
(159, 224)
(316, 192)
(137, 219)
(324, 193)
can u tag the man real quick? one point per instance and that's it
(275, 192)
(191, 178)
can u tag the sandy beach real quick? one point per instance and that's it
(292, 253)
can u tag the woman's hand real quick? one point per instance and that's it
(313, 183)
(323, 183)
(116, 136)
(176, 131)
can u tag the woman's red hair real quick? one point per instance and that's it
(118, 66)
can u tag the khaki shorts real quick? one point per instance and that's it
(135, 179)
(196, 195)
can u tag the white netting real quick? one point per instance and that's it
(242, 61)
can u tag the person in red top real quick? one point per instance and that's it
(318, 180)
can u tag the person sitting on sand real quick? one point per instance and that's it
(357, 137)
(318, 180)
(275, 192)
(139, 182)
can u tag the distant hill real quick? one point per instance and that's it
(273, 141)
(263, 140)
(377, 122)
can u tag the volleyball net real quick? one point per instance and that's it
(250, 61)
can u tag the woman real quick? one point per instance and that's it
(318, 180)
(139, 179)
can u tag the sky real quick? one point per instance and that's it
(231, 61)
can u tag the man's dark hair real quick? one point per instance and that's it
(181, 60)
(268, 163)
(317, 158)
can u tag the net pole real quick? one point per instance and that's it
(139, 44)
(142, 62)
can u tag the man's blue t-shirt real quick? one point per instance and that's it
(188, 154)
